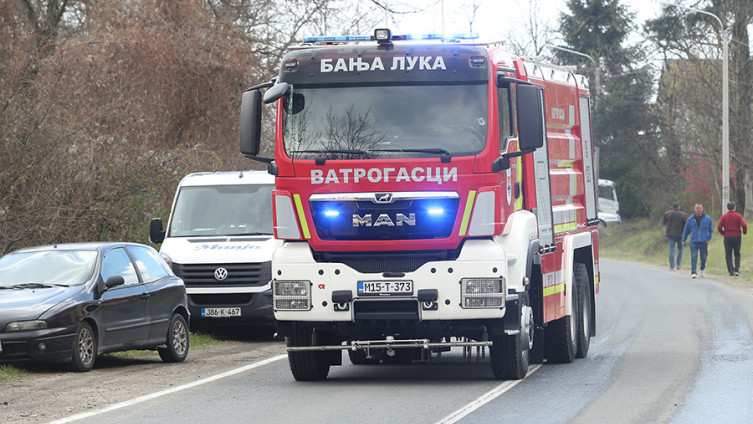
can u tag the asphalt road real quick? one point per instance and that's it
(668, 349)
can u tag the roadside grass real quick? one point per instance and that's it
(10, 372)
(643, 240)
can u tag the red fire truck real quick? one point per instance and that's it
(430, 193)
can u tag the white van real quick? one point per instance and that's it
(219, 240)
(609, 206)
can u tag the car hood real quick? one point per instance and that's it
(183, 250)
(29, 304)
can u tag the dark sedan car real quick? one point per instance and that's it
(70, 302)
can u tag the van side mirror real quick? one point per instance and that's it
(251, 123)
(156, 231)
(531, 125)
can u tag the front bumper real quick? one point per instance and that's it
(48, 345)
(256, 308)
(477, 259)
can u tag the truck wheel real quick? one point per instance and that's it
(84, 349)
(561, 341)
(176, 341)
(583, 288)
(509, 355)
(306, 365)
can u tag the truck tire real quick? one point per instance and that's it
(561, 341)
(583, 287)
(510, 354)
(306, 365)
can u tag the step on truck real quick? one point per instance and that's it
(219, 240)
(430, 194)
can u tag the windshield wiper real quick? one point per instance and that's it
(322, 159)
(250, 234)
(31, 286)
(446, 155)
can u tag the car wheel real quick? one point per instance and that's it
(177, 340)
(84, 349)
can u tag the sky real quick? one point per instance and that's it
(495, 18)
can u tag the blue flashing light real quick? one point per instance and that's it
(435, 211)
(331, 213)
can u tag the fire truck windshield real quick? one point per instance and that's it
(380, 121)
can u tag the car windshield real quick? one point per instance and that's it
(363, 122)
(222, 210)
(46, 268)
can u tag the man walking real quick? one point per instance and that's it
(731, 224)
(700, 228)
(675, 219)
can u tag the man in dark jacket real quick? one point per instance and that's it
(700, 228)
(675, 219)
(731, 225)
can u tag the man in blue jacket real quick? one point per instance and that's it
(700, 228)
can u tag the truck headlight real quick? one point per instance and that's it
(25, 325)
(479, 293)
(292, 295)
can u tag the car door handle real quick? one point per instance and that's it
(145, 296)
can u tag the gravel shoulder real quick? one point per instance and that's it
(47, 392)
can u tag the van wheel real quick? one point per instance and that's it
(306, 365)
(84, 349)
(177, 340)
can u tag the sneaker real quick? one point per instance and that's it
(678, 267)
(737, 274)
(693, 276)
(703, 273)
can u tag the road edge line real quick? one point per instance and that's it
(484, 399)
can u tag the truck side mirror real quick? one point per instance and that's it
(251, 123)
(156, 231)
(531, 126)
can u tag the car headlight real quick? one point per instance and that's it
(167, 259)
(26, 325)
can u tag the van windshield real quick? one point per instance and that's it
(222, 210)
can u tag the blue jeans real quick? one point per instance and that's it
(702, 247)
(672, 242)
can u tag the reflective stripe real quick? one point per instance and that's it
(467, 212)
(569, 226)
(559, 288)
(301, 216)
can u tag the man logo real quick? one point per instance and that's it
(383, 198)
(220, 274)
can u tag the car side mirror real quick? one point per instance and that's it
(115, 280)
(156, 231)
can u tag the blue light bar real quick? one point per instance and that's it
(331, 213)
(339, 39)
(352, 38)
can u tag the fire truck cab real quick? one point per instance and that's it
(430, 194)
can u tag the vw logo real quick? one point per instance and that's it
(383, 198)
(220, 274)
